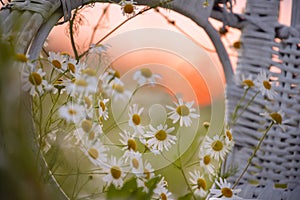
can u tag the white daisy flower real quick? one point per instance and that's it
(183, 112)
(264, 85)
(161, 192)
(115, 172)
(117, 91)
(57, 60)
(72, 112)
(33, 81)
(206, 161)
(84, 84)
(277, 118)
(136, 162)
(145, 75)
(108, 76)
(147, 175)
(128, 7)
(225, 190)
(229, 139)
(95, 151)
(88, 131)
(72, 66)
(245, 82)
(198, 182)
(135, 119)
(103, 109)
(216, 147)
(98, 48)
(128, 141)
(160, 137)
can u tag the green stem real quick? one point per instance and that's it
(254, 153)
(247, 105)
(238, 105)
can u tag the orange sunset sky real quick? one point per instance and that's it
(196, 88)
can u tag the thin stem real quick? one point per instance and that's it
(254, 153)
(125, 21)
(98, 23)
(72, 35)
(247, 105)
(238, 105)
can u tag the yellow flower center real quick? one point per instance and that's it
(226, 192)
(183, 110)
(267, 85)
(86, 125)
(92, 135)
(117, 74)
(201, 183)
(87, 102)
(128, 8)
(102, 105)
(72, 112)
(217, 145)
(56, 64)
(93, 153)
(161, 135)
(206, 125)
(35, 78)
(131, 144)
(163, 196)
(277, 118)
(118, 88)
(146, 72)
(206, 159)
(229, 135)
(81, 83)
(21, 57)
(248, 83)
(71, 67)
(237, 44)
(135, 163)
(115, 172)
(136, 119)
(147, 174)
(65, 53)
(90, 72)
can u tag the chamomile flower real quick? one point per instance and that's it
(57, 60)
(264, 85)
(206, 161)
(117, 90)
(229, 139)
(128, 7)
(32, 80)
(145, 75)
(115, 172)
(183, 112)
(135, 119)
(147, 175)
(103, 109)
(225, 190)
(161, 192)
(277, 118)
(98, 48)
(160, 137)
(128, 141)
(72, 66)
(72, 112)
(198, 182)
(88, 131)
(95, 151)
(136, 163)
(216, 147)
(245, 82)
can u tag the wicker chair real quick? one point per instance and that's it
(266, 44)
